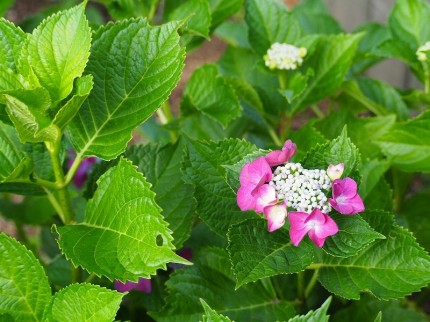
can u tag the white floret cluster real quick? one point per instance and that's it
(302, 189)
(284, 56)
(422, 52)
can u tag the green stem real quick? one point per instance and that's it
(301, 285)
(283, 80)
(76, 274)
(317, 111)
(268, 285)
(63, 193)
(426, 77)
(90, 278)
(311, 284)
(72, 170)
(397, 190)
(274, 136)
(165, 115)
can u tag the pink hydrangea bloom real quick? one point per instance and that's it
(279, 157)
(345, 197)
(275, 216)
(143, 285)
(335, 171)
(254, 193)
(317, 225)
(84, 168)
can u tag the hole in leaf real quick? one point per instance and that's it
(159, 240)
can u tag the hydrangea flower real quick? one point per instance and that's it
(284, 56)
(281, 189)
(143, 285)
(345, 197)
(81, 174)
(422, 52)
(317, 225)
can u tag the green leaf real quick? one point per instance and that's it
(24, 286)
(389, 268)
(66, 113)
(414, 211)
(216, 201)
(26, 109)
(123, 235)
(306, 138)
(380, 197)
(354, 234)
(379, 97)
(246, 93)
(222, 9)
(196, 13)
(160, 163)
(340, 150)
(135, 67)
(269, 21)
(4, 6)
(58, 50)
(13, 161)
(369, 308)
(408, 21)
(255, 253)
(407, 145)
(11, 41)
(371, 171)
(32, 210)
(209, 93)
(296, 86)
(9, 80)
(211, 280)
(331, 60)
(211, 315)
(319, 315)
(83, 302)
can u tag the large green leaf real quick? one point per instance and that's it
(11, 40)
(269, 21)
(135, 67)
(123, 235)
(222, 9)
(389, 268)
(24, 287)
(160, 163)
(58, 50)
(83, 302)
(255, 253)
(408, 21)
(209, 93)
(340, 150)
(407, 144)
(211, 315)
(216, 201)
(212, 280)
(319, 315)
(331, 60)
(13, 161)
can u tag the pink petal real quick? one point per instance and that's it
(356, 204)
(275, 216)
(279, 157)
(346, 188)
(344, 208)
(335, 171)
(298, 229)
(255, 173)
(265, 195)
(328, 228)
(245, 200)
(317, 240)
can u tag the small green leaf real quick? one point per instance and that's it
(389, 268)
(319, 315)
(24, 286)
(306, 138)
(255, 253)
(246, 93)
(269, 21)
(331, 60)
(209, 93)
(296, 86)
(66, 113)
(9, 80)
(13, 162)
(204, 167)
(211, 315)
(58, 50)
(196, 13)
(222, 9)
(340, 150)
(211, 279)
(123, 235)
(371, 171)
(83, 302)
(11, 40)
(135, 67)
(407, 145)
(160, 163)
(354, 234)
(408, 21)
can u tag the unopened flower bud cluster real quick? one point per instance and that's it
(423, 51)
(284, 56)
(302, 189)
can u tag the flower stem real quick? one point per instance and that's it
(426, 77)
(268, 285)
(311, 284)
(282, 79)
(274, 136)
(317, 111)
(301, 285)
(72, 170)
(63, 193)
